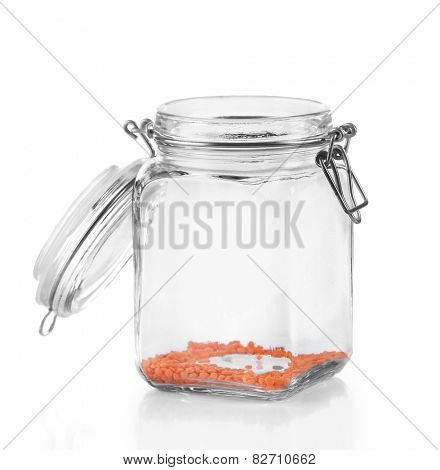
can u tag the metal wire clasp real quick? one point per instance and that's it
(145, 131)
(335, 164)
(45, 326)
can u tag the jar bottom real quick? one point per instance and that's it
(235, 369)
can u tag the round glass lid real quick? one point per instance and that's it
(89, 246)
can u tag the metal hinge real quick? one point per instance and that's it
(334, 163)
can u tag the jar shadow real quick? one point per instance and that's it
(321, 417)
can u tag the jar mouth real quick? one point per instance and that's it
(241, 121)
(241, 107)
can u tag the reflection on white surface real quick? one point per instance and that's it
(321, 418)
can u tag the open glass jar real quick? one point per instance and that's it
(242, 230)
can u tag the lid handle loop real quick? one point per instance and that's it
(145, 131)
(334, 163)
(51, 317)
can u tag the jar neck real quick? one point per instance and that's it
(242, 158)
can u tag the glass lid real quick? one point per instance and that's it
(89, 246)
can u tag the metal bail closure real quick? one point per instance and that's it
(45, 327)
(337, 169)
(145, 131)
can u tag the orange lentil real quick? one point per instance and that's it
(179, 367)
(269, 380)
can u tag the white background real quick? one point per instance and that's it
(134, 55)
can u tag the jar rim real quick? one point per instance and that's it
(294, 108)
(236, 120)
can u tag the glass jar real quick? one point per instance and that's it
(242, 243)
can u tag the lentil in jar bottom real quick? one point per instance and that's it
(214, 363)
